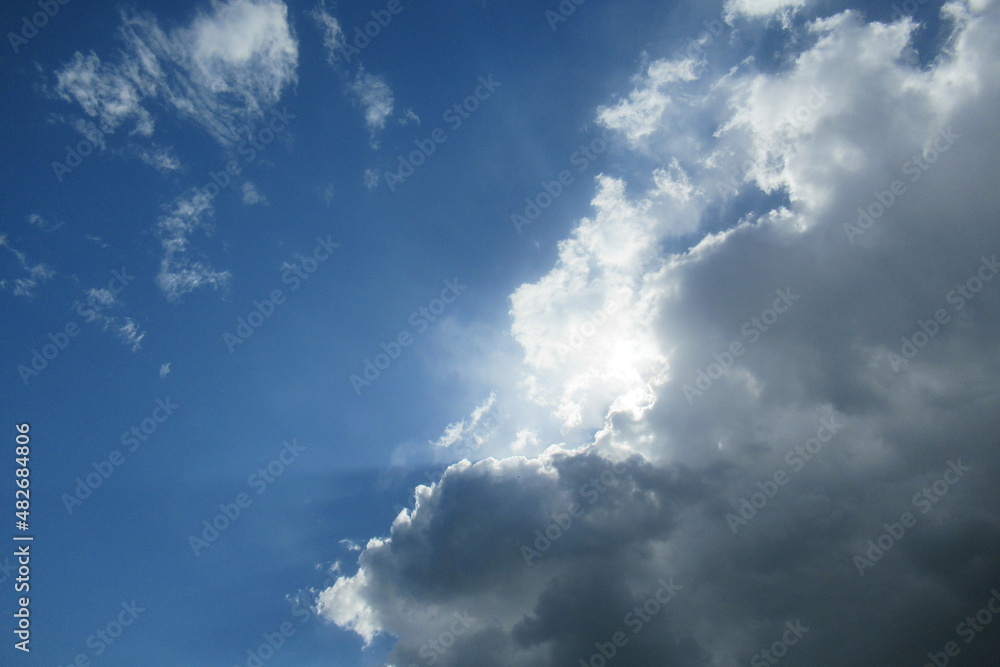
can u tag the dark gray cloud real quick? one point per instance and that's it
(796, 418)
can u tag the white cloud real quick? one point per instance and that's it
(351, 545)
(100, 297)
(223, 70)
(333, 35)
(130, 334)
(371, 178)
(164, 370)
(375, 97)
(21, 277)
(44, 224)
(179, 273)
(251, 196)
(370, 91)
(471, 433)
(99, 301)
(760, 8)
(105, 91)
(243, 49)
(692, 269)
(642, 112)
(164, 160)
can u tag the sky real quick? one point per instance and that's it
(558, 334)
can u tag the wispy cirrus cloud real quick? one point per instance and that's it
(180, 273)
(223, 71)
(333, 34)
(375, 97)
(45, 224)
(22, 277)
(100, 305)
(370, 91)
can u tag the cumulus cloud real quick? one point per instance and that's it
(223, 70)
(642, 112)
(471, 538)
(767, 355)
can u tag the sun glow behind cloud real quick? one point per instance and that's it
(701, 368)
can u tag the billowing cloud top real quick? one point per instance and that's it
(790, 401)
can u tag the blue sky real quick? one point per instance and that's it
(177, 174)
